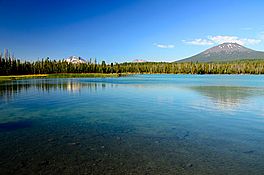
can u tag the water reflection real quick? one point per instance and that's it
(223, 97)
(10, 89)
(227, 97)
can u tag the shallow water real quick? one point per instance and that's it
(142, 124)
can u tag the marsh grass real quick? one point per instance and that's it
(65, 75)
(18, 77)
(84, 75)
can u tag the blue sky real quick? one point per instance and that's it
(124, 30)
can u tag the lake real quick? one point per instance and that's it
(141, 124)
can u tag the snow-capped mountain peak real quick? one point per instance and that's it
(75, 60)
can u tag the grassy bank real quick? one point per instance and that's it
(84, 75)
(67, 75)
(18, 77)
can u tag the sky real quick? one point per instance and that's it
(124, 30)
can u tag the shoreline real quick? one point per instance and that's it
(91, 75)
(61, 75)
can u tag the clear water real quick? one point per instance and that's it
(143, 124)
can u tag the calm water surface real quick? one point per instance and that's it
(143, 124)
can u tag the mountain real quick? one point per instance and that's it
(139, 61)
(75, 60)
(225, 52)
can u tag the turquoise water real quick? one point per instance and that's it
(142, 124)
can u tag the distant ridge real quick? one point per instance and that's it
(225, 52)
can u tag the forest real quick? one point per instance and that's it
(9, 65)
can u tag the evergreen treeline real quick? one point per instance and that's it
(11, 66)
(236, 67)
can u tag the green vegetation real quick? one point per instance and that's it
(64, 75)
(11, 66)
(17, 77)
(235, 67)
(84, 75)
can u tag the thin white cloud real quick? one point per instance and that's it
(199, 42)
(164, 46)
(223, 39)
(249, 41)
(261, 35)
(233, 39)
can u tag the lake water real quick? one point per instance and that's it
(142, 124)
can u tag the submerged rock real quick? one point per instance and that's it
(22, 164)
(44, 163)
(51, 140)
(74, 144)
(188, 165)
(249, 152)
